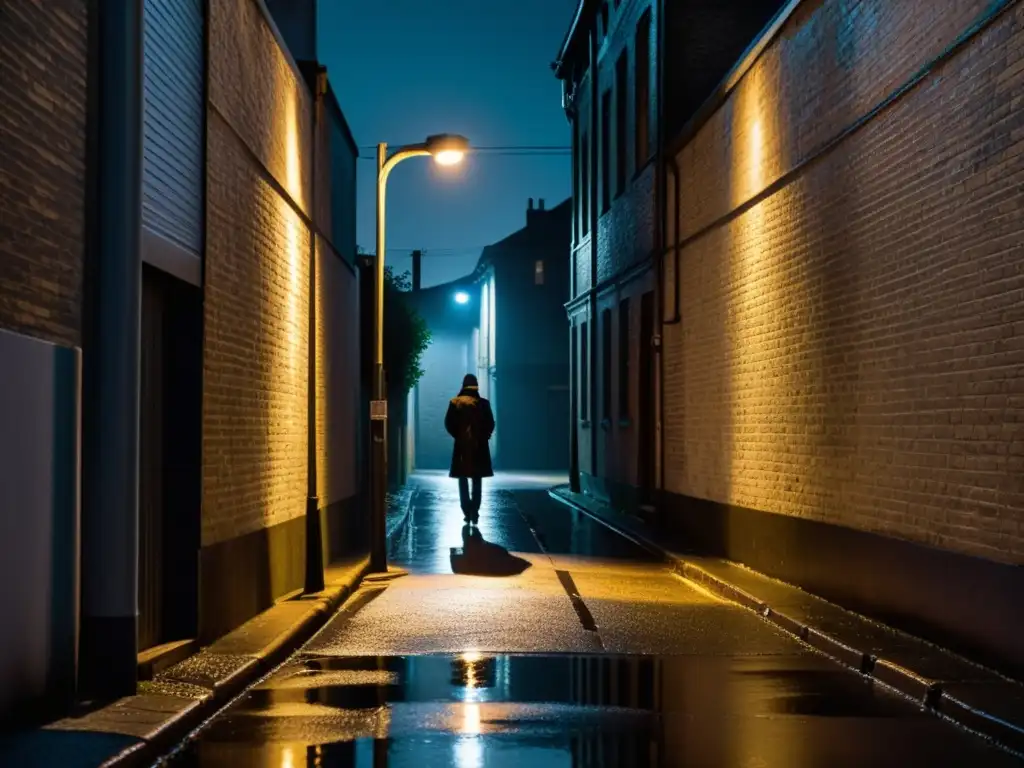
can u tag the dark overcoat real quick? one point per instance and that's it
(471, 422)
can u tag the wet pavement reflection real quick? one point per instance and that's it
(517, 515)
(473, 709)
(540, 638)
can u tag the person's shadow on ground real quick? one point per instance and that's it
(479, 557)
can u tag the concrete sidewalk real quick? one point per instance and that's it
(136, 730)
(952, 687)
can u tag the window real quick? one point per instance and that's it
(642, 89)
(606, 135)
(606, 364)
(621, 93)
(624, 359)
(538, 272)
(604, 20)
(584, 187)
(584, 373)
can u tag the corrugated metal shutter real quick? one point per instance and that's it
(172, 177)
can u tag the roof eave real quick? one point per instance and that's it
(563, 51)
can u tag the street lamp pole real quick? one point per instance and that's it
(446, 150)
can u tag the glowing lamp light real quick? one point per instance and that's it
(462, 297)
(449, 157)
(447, 148)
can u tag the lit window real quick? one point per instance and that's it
(538, 272)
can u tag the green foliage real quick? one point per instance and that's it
(406, 335)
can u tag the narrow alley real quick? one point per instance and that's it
(544, 639)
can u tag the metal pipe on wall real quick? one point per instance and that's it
(110, 520)
(314, 581)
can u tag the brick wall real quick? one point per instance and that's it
(257, 279)
(43, 62)
(851, 343)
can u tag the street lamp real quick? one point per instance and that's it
(462, 297)
(446, 149)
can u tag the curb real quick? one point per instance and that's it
(141, 729)
(397, 523)
(921, 689)
(217, 691)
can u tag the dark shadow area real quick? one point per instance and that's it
(479, 557)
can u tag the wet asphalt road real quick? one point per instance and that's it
(542, 639)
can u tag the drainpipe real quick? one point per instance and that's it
(595, 207)
(110, 523)
(314, 581)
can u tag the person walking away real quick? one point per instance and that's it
(471, 422)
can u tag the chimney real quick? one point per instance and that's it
(529, 204)
(540, 204)
(417, 263)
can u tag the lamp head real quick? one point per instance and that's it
(461, 297)
(447, 148)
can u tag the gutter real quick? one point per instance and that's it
(563, 50)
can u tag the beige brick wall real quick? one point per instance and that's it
(257, 279)
(43, 62)
(851, 347)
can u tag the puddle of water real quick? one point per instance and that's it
(476, 709)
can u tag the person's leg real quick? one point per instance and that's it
(464, 499)
(477, 494)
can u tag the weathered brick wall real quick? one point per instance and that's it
(43, 63)
(257, 279)
(851, 344)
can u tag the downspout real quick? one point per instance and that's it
(594, 208)
(659, 243)
(574, 439)
(108, 645)
(314, 581)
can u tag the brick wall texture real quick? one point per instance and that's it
(257, 279)
(851, 347)
(43, 63)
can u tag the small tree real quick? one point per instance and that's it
(406, 335)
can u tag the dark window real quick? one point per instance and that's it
(621, 100)
(642, 92)
(606, 364)
(538, 272)
(624, 359)
(604, 20)
(606, 136)
(584, 186)
(584, 373)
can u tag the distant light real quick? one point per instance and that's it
(449, 157)
(462, 297)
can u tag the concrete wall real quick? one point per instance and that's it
(40, 395)
(43, 64)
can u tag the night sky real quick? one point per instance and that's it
(404, 69)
